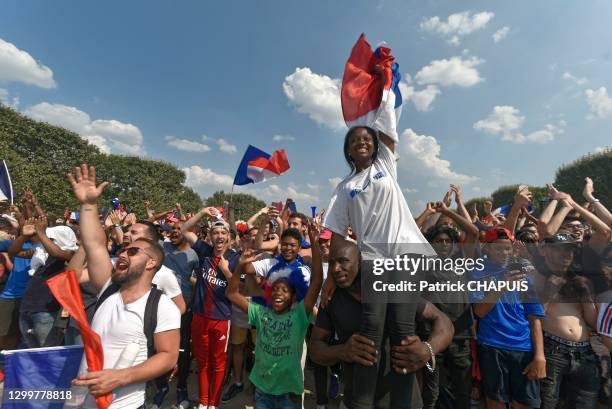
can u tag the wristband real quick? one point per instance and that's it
(594, 201)
(431, 368)
(116, 225)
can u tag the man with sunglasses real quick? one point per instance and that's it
(119, 318)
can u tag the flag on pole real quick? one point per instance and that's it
(257, 166)
(367, 98)
(39, 378)
(65, 288)
(6, 187)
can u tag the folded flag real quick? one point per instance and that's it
(39, 378)
(65, 288)
(257, 166)
(6, 187)
(368, 98)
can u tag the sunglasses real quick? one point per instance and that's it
(132, 251)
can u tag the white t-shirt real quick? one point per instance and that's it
(118, 325)
(262, 267)
(372, 204)
(165, 279)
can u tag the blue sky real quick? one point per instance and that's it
(498, 92)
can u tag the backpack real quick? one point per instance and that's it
(150, 314)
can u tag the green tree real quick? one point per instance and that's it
(597, 166)
(39, 156)
(245, 205)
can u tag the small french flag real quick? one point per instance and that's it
(257, 166)
(368, 98)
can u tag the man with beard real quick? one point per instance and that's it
(211, 309)
(343, 315)
(119, 318)
(166, 279)
(183, 261)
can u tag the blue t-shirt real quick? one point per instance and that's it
(18, 277)
(183, 263)
(506, 326)
(209, 298)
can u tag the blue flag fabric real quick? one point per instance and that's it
(43, 369)
(6, 187)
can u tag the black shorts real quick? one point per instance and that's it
(9, 316)
(502, 376)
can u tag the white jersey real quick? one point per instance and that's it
(119, 324)
(372, 204)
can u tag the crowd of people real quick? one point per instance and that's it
(283, 293)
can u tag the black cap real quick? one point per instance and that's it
(562, 238)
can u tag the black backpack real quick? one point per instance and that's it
(150, 314)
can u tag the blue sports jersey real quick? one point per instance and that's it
(209, 297)
(19, 276)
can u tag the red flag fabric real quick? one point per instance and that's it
(65, 289)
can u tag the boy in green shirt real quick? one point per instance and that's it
(281, 329)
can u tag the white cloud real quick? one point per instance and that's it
(333, 182)
(500, 34)
(275, 192)
(201, 177)
(186, 145)
(317, 96)
(6, 100)
(457, 25)
(109, 135)
(409, 190)
(599, 102)
(504, 120)
(454, 71)
(225, 146)
(569, 77)
(280, 138)
(421, 154)
(507, 121)
(600, 149)
(422, 99)
(18, 66)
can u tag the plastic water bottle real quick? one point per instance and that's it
(128, 355)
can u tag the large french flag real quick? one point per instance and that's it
(368, 98)
(257, 166)
(31, 372)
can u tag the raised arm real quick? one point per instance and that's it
(181, 213)
(429, 211)
(316, 280)
(233, 289)
(27, 230)
(521, 200)
(269, 245)
(456, 189)
(186, 228)
(600, 210)
(93, 238)
(53, 249)
(471, 231)
(253, 218)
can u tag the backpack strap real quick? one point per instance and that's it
(150, 319)
(110, 290)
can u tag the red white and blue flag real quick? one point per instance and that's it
(368, 98)
(257, 166)
(6, 187)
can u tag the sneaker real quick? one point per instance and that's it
(158, 399)
(334, 386)
(231, 393)
(182, 398)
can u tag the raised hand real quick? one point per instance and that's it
(29, 227)
(313, 232)
(447, 198)
(430, 208)
(588, 190)
(523, 197)
(41, 224)
(272, 213)
(248, 256)
(488, 207)
(84, 185)
(457, 191)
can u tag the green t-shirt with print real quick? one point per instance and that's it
(278, 351)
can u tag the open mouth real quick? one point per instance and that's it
(122, 265)
(278, 302)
